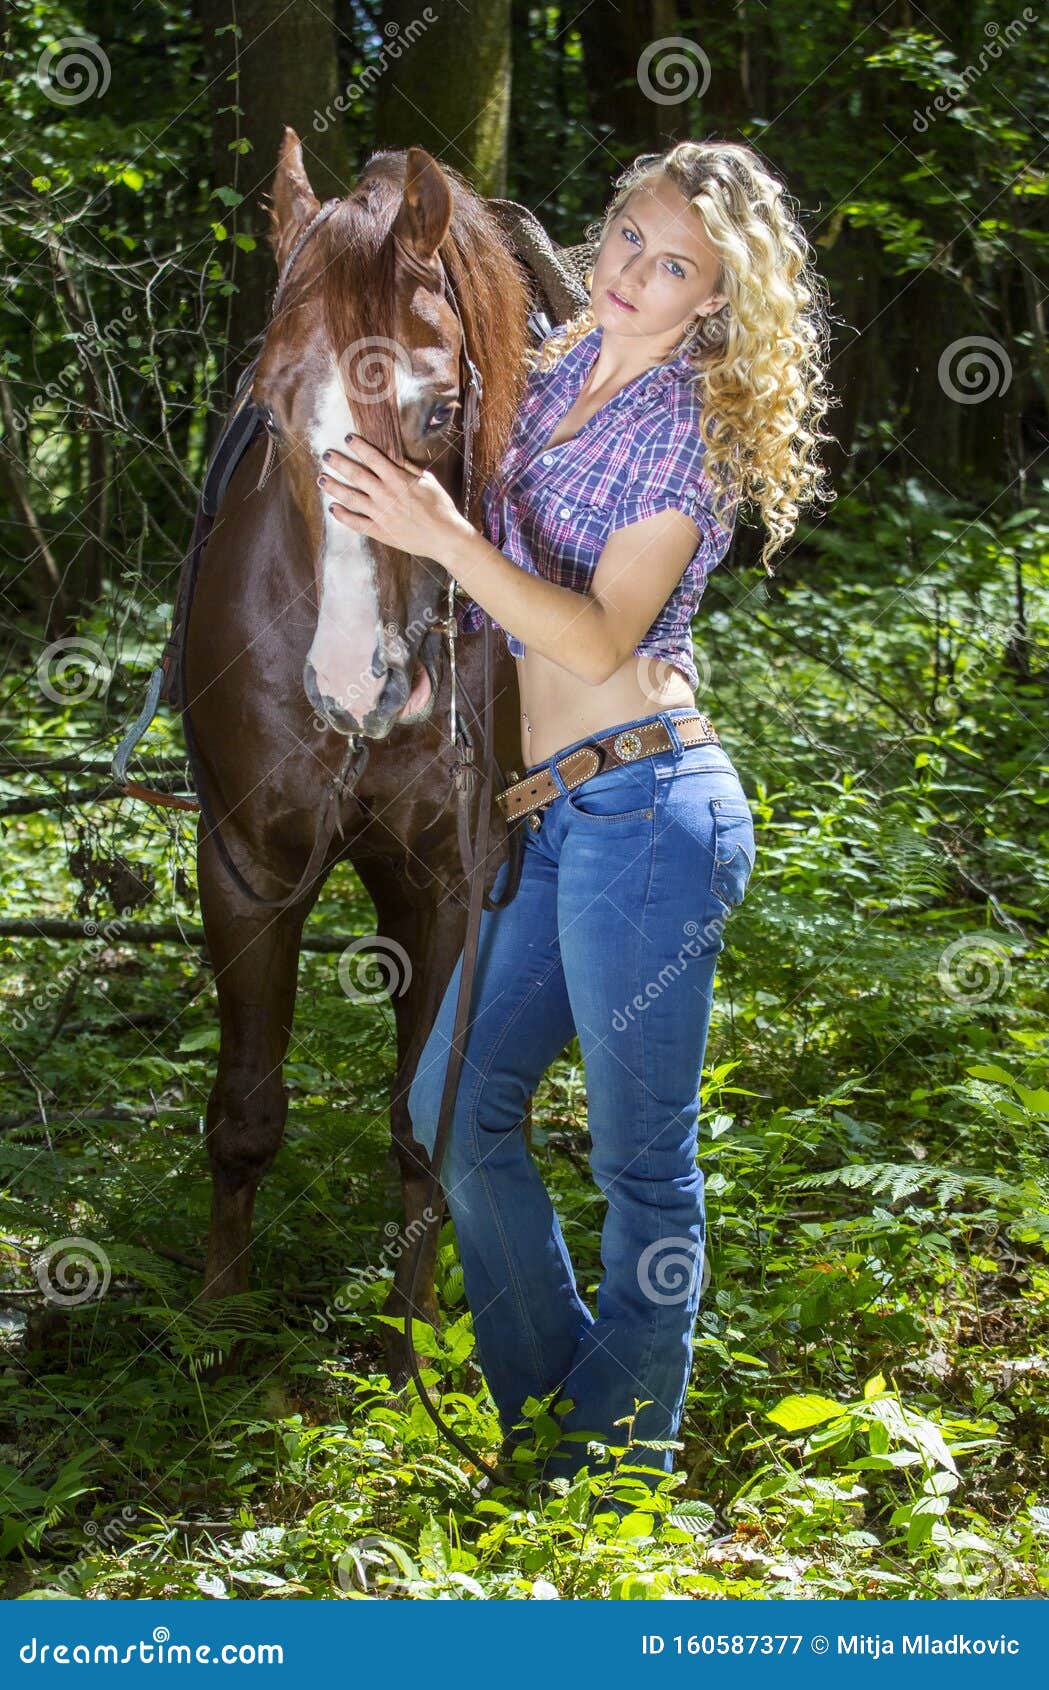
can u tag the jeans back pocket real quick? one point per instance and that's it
(734, 850)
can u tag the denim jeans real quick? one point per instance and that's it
(614, 934)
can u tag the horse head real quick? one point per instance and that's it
(366, 339)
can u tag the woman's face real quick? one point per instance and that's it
(656, 257)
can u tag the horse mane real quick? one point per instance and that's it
(357, 265)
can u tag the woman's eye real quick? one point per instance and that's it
(672, 265)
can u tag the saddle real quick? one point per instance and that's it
(556, 292)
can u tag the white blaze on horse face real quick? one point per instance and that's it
(349, 627)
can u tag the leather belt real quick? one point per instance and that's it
(534, 791)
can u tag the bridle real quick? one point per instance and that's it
(343, 781)
(247, 416)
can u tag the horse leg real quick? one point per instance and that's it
(427, 926)
(255, 954)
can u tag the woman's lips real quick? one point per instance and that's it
(622, 303)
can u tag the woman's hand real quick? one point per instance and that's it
(399, 505)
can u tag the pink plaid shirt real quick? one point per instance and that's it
(551, 511)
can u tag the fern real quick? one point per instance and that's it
(899, 1180)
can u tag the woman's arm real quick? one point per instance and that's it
(590, 634)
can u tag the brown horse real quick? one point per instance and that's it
(302, 632)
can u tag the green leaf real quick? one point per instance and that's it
(795, 1413)
(201, 1038)
(991, 1071)
(434, 1549)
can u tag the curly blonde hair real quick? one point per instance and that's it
(759, 361)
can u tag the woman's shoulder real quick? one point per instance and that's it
(553, 342)
(670, 418)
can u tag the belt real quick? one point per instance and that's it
(527, 796)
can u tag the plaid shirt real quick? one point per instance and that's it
(551, 512)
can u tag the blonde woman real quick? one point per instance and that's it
(693, 380)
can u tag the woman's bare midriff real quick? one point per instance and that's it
(557, 709)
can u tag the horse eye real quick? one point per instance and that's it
(441, 416)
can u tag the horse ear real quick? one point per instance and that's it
(292, 200)
(425, 210)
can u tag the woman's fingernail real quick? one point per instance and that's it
(321, 479)
(325, 456)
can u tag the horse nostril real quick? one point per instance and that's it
(395, 692)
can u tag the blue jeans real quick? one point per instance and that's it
(614, 934)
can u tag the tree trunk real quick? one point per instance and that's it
(277, 67)
(445, 86)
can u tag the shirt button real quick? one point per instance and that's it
(547, 458)
(564, 511)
